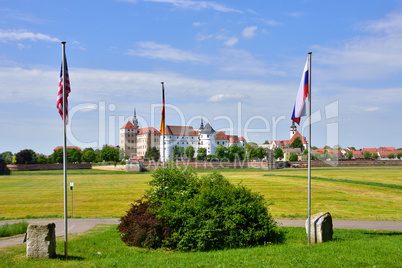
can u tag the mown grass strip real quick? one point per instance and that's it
(102, 247)
(13, 229)
(378, 184)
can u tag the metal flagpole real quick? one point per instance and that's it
(163, 130)
(64, 148)
(309, 148)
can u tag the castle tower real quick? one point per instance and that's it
(128, 139)
(135, 120)
(293, 129)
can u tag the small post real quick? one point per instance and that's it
(71, 188)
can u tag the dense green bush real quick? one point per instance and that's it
(204, 213)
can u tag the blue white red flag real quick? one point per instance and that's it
(299, 109)
(59, 103)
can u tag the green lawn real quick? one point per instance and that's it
(373, 193)
(101, 247)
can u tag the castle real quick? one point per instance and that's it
(135, 141)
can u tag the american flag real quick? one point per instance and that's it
(60, 92)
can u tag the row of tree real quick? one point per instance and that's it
(28, 156)
(222, 153)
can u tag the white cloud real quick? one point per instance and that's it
(165, 52)
(227, 97)
(12, 35)
(231, 41)
(371, 56)
(197, 24)
(202, 36)
(193, 5)
(269, 22)
(372, 109)
(249, 32)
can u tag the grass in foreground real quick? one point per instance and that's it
(13, 229)
(364, 193)
(102, 247)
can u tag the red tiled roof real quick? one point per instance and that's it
(180, 131)
(220, 135)
(242, 139)
(383, 149)
(128, 125)
(233, 139)
(145, 130)
(371, 150)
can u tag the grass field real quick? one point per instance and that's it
(102, 247)
(373, 193)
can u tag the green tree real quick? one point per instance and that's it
(121, 154)
(297, 143)
(278, 153)
(7, 156)
(152, 153)
(109, 153)
(293, 157)
(88, 155)
(201, 153)
(260, 152)
(178, 152)
(26, 156)
(189, 152)
(375, 156)
(236, 152)
(221, 152)
(266, 142)
(73, 155)
(337, 147)
(349, 155)
(391, 156)
(250, 146)
(399, 155)
(57, 156)
(367, 155)
(326, 147)
(41, 159)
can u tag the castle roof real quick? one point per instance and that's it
(207, 129)
(129, 125)
(148, 129)
(180, 131)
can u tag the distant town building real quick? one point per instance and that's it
(286, 143)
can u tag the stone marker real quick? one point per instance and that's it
(320, 227)
(41, 240)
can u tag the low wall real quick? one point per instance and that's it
(117, 167)
(28, 167)
(351, 163)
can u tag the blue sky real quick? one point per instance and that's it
(237, 64)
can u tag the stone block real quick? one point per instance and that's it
(41, 240)
(320, 227)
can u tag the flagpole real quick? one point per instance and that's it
(309, 148)
(64, 148)
(163, 130)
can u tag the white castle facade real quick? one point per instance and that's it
(205, 137)
(135, 141)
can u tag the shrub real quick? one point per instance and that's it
(140, 227)
(199, 214)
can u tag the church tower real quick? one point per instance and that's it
(293, 129)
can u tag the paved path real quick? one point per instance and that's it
(83, 225)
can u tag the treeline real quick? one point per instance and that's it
(74, 155)
(222, 153)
